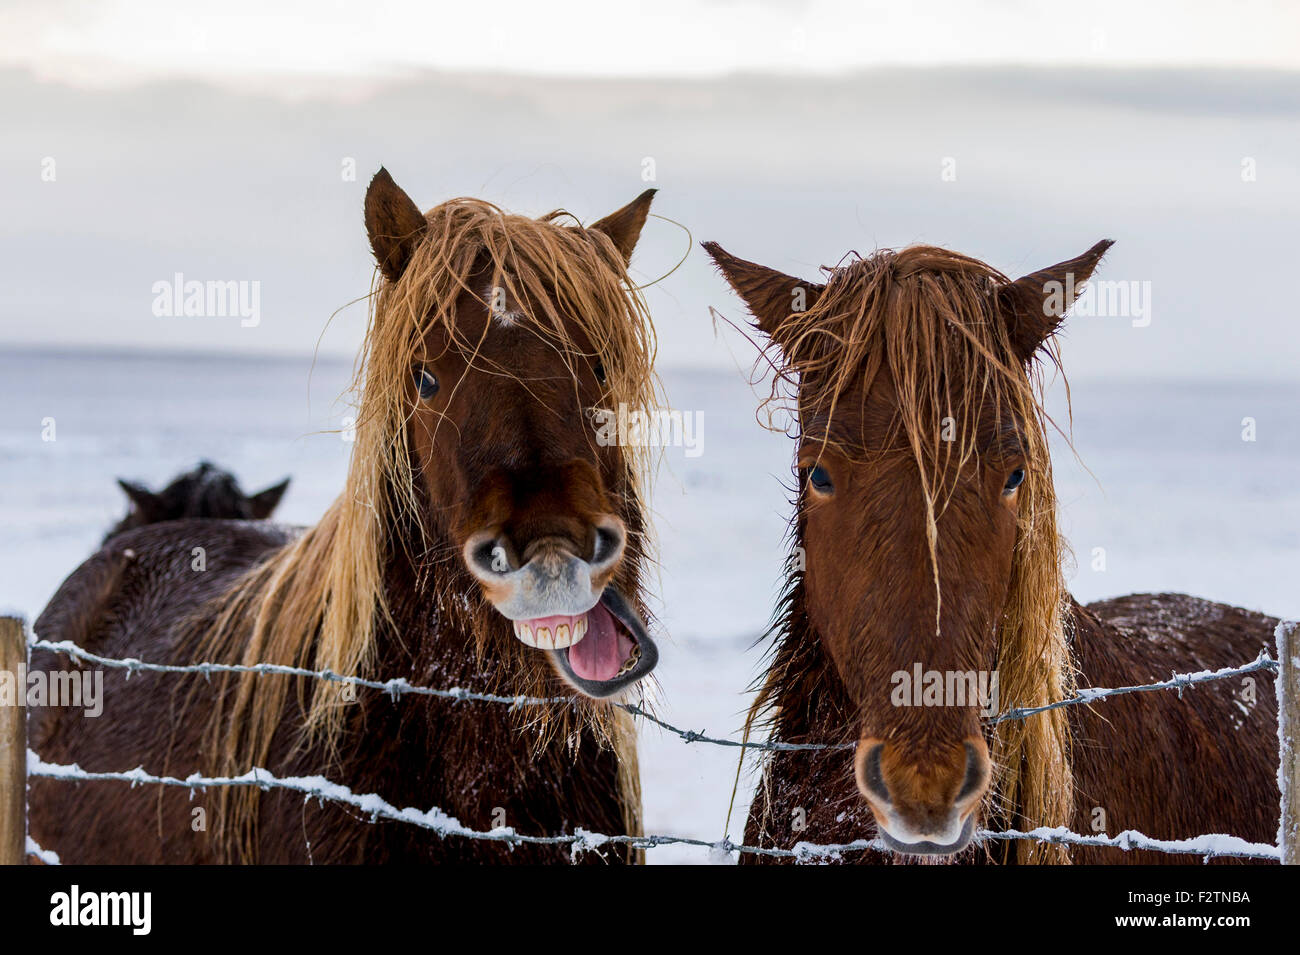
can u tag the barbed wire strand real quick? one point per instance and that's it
(1179, 682)
(396, 688)
(581, 840)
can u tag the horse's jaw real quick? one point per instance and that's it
(613, 652)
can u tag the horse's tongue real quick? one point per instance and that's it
(600, 654)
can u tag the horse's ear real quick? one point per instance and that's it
(395, 224)
(264, 502)
(771, 296)
(624, 226)
(145, 500)
(1034, 305)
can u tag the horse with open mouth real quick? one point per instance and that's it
(925, 593)
(485, 539)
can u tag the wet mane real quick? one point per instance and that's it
(928, 318)
(321, 601)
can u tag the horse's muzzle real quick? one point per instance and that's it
(568, 606)
(929, 810)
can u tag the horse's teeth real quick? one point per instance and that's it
(566, 635)
(630, 662)
(544, 638)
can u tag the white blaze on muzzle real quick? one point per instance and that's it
(545, 586)
(552, 581)
(596, 639)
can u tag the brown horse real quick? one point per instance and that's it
(485, 539)
(927, 571)
(207, 491)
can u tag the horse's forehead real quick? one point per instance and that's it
(860, 407)
(492, 326)
(867, 414)
(503, 308)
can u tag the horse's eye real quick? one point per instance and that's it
(1014, 480)
(821, 480)
(427, 382)
(600, 372)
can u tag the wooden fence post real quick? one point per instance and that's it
(13, 745)
(1288, 745)
(1288, 737)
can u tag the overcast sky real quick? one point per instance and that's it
(219, 147)
(98, 41)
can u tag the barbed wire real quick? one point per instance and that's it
(582, 840)
(1212, 845)
(434, 819)
(399, 687)
(395, 688)
(1178, 681)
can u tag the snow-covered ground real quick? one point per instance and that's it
(1176, 498)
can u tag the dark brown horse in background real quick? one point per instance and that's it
(207, 491)
(926, 542)
(485, 539)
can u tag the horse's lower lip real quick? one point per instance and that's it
(624, 614)
(931, 848)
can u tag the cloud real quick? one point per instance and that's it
(223, 185)
(267, 43)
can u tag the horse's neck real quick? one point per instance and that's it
(431, 604)
(807, 699)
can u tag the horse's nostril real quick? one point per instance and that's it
(977, 773)
(871, 776)
(609, 544)
(610, 541)
(491, 556)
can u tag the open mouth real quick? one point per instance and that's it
(599, 652)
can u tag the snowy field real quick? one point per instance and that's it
(1175, 497)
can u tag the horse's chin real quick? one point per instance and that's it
(612, 652)
(930, 848)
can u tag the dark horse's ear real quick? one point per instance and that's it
(264, 502)
(1034, 305)
(145, 500)
(771, 296)
(624, 226)
(395, 224)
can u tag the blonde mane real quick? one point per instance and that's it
(320, 601)
(928, 317)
